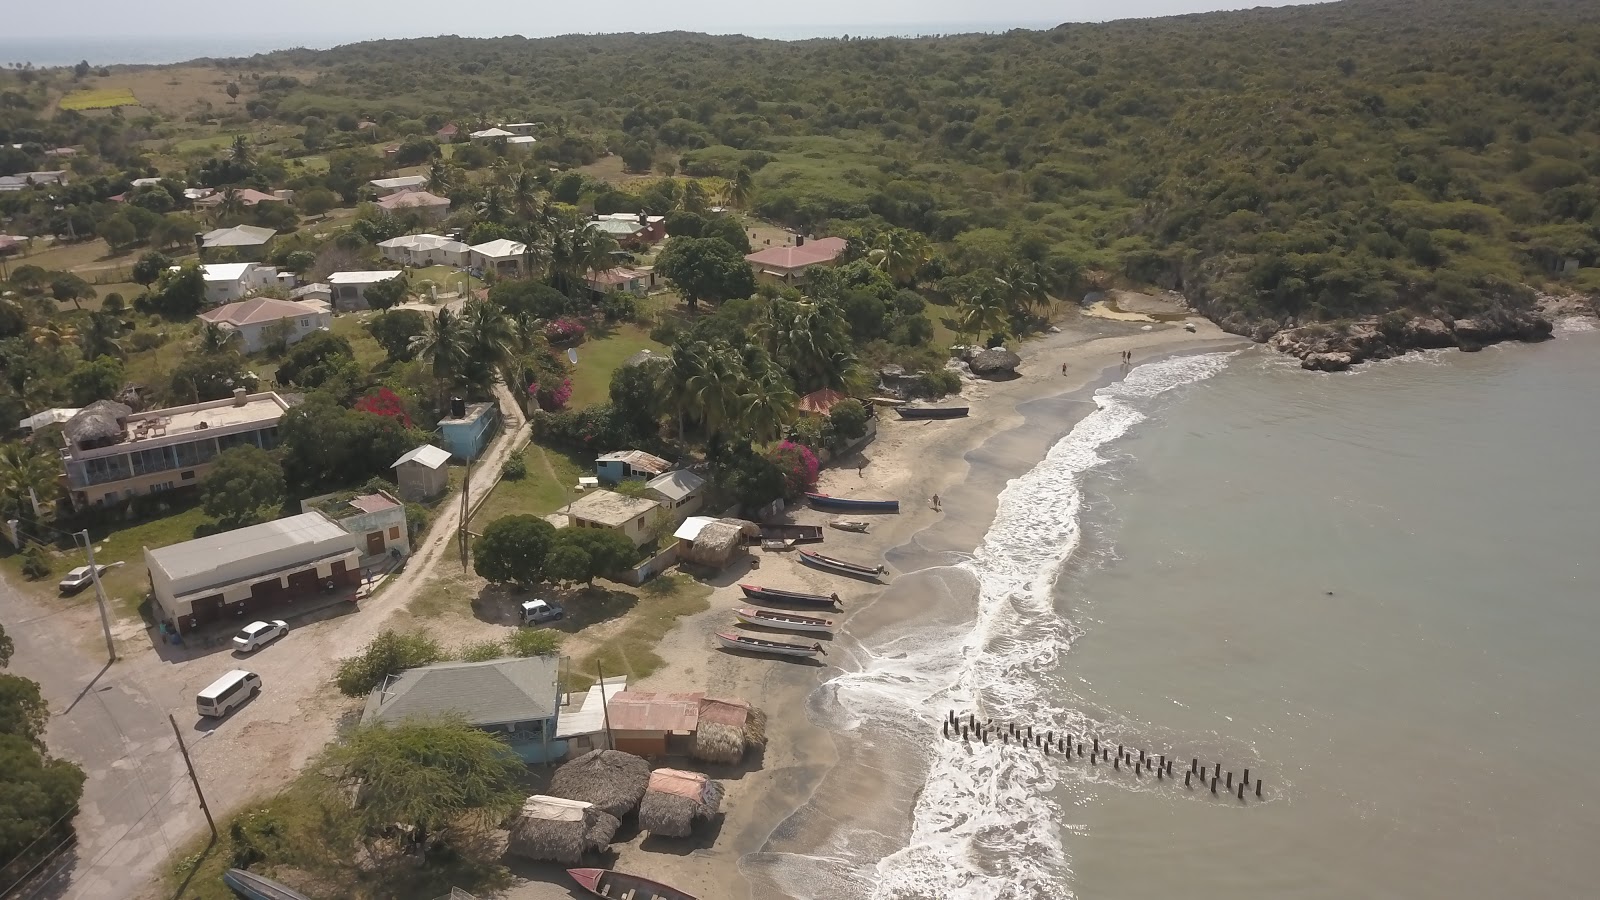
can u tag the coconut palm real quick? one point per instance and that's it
(768, 405)
(100, 338)
(718, 387)
(678, 380)
(214, 338)
(740, 187)
(983, 304)
(1029, 283)
(576, 250)
(230, 205)
(491, 342)
(900, 253)
(811, 339)
(241, 150)
(26, 472)
(525, 194)
(442, 347)
(492, 208)
(440, 177)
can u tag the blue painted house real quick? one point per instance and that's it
(625, 465)
(516, 699)
(468, 429)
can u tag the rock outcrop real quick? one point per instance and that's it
(995, 364)
(1322, 347)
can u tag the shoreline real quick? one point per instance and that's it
(766, 808)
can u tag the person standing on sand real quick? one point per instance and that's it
(936, 503)
(1063, 368)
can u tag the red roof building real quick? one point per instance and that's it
(788, 265)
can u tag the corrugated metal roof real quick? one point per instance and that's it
(497, 692)
(652, 711)
(676, 485)
(205, 554)
(427, 454)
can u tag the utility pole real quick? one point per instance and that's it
(192, 776)
(100, 592)
(605, 708)
(466, 502)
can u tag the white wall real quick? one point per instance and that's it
(256, 335)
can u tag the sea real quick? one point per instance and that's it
(1378, 591)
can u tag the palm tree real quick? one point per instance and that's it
(213, 338)
(576, 250)
(678, 380)
(241, 150)
(492, 208)
(740, 186)
(100, 337)
(525, 194)
(491, 342)
(442, 346)
(694, 198)
(439, 177)
(768, 405)
(983, 305)
(230, 205)
(812, 339)
(900, 253)
(26, 472)
(1029, 282)
(718, 387)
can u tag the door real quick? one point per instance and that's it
(375, 544)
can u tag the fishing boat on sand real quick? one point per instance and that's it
(790, 598)
(761, 645)
(932, 412)
(787, 621)
(617, 885)
(251, 886)
(839, 566)
(846, 504)
(856, 525)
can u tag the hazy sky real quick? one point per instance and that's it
(315, 22)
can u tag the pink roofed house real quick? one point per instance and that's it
(788, 265)
(430, 207)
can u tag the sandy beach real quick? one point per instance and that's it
(910, 461)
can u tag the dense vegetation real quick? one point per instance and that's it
(1311, 162)
(38, 794)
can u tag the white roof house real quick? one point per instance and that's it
(144, 182)
(338, 278)
(422, 473)
(237, 236)
(521, 139)
(489, 134)
(427, 455)
(502, 257)
(227, 282)
(425, 250)
(350, 288)
(400, 183)
(677, 485)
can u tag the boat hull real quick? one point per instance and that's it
(845, 504)
(784, 621)
(839, 566)
(933, 412)
(849, 525)
(251, 886)
(788, 598)
(771, 648)
(612, 884)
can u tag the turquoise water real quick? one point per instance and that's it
(1380, 590)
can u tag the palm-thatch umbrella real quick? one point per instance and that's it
(562, 831)
(727, 729)
(99, 421)
(676, 800)
(610, 779)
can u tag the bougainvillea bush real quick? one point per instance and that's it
(564, 331)
(799, 467)
(552, 399)
(385, 403)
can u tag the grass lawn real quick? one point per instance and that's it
(207, 144)
(600, 355)
(353, 328)
(83, 257)
(101, 98)
(547, 487)
(632, 650)
(445, 277)
(152, 367)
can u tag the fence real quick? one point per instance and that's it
(650, 568)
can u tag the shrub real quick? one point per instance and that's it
(597, 428)
(390, 653)
(799, 466)
(619, 307)
(565, 331)
(143, 340)
(35, 563)
(938, 383)
(848, 420)
(483, 651)
(418, 517)
(811, 431)
(552, 399)
(385, 403)
(533, 642)
(516, 467)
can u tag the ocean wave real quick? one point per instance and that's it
(984, 826)
(1575, 324)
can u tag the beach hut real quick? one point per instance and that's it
(727, 729)
(611, 780)
(676, 800)
(713, 542)
(560, 830)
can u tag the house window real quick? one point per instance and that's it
(188, 476)
(394, 532)
(305, 323)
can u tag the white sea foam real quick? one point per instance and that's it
(985, 825)
(1574, 324)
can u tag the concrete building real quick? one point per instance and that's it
(620, 280)
(422, 250)
(113, 453)
(46, 418)
(245, 241)
(622, 465)
(350, 288)
(468, 429)
(503, 257)
(788, 265)
(24, 180)
(422, 473)
(261, 320)
(388, 186)
(425, 206)
(227, 282)
(681, 492)
(518, 700)
(631, 517)
(378, 520)
(632, 231)
(490, 134)
(248, 573)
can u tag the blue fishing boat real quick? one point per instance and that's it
(839, 566)
(251, 886)
(845, 504)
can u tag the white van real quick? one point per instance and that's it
(231, 690)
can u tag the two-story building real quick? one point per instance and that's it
(378, 519)
(113, 453)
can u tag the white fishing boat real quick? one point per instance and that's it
(849, 525)
(786, 621)
(760, 645)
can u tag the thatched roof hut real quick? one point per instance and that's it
(558, 830)
(676, 800)
(100, 421)
(610, 779)
(714, 543)
(727, 728)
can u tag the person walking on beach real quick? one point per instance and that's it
(936, 503)
(1063, 368)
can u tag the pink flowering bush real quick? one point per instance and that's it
(385, 403)
(799, 467)
(564, 331)
(552, 399)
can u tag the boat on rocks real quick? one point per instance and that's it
(790, 598)
(840, 566)
(761, 645)
(786, 621)
(846, 504)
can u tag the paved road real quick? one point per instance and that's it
(138, 805)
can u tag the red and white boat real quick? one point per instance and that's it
(786, 621)
(734, 641)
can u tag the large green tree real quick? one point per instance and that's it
(325, 446)
(708, 269)
(390, 653)
(244, 485)
(512, 549)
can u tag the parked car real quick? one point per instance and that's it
(80, 578)
(256, 635)
(537, 612)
